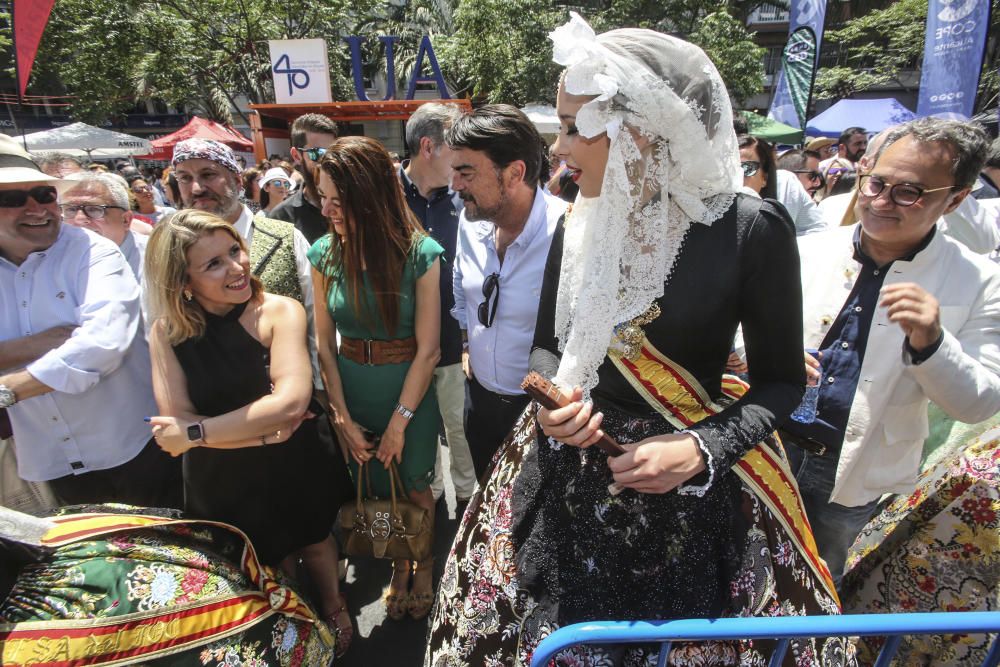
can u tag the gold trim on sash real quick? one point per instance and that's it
(143, 636)
(677, 396)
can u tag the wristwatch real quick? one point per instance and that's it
(7, 397)
(196, 433)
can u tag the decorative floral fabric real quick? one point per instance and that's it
(162, 568)
(937, 549)
(541, 545)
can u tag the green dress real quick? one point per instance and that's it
(372, 392)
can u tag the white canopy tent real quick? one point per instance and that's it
(543, 117)
(82, 140)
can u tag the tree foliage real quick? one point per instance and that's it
(878, 46)
(731, 47)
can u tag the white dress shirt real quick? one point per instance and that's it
(101, 375)
(244, 225)
(499, 354)
(800, 206)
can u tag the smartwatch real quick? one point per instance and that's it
(196, 433)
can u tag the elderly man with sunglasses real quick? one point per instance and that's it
(504, 235)
(74, 367)
(901, 314)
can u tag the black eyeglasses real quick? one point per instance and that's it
(750, 167)
(487, 312)
(92, 211)
(813, 174)
(902, 194)
(314, 153)
(43, 194)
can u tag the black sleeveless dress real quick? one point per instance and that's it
(283, 496)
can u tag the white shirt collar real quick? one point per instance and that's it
(244, 224)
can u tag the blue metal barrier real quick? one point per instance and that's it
(782, 628)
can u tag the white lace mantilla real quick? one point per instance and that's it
(672, 161)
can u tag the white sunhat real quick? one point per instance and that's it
(277, 174)
(17, 165)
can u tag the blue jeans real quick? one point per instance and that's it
(834, 526)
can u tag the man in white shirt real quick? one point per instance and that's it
(74, 366)
(99, 202)
(504, 236)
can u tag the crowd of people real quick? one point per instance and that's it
(245, 344)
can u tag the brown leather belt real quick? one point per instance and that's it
(378, 352)
(808, 444)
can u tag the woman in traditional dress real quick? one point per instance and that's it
(233, 383)
(380, 274)
(658, 263)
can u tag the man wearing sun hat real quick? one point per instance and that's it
(71, 350)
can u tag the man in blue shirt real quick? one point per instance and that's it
(425, 178)
(504, 237)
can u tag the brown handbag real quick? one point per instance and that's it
(395, 528)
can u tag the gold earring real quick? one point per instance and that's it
(187, 295)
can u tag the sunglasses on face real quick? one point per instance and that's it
(487, 312)
(278, 183)
(813, 175)
(43, 194)
(314, 153)
(902, 194)
(750, 167)
(142, 189)
(92, 211)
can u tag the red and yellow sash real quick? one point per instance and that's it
(142, 636)
(680, 399)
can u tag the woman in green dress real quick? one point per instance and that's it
(380, 274)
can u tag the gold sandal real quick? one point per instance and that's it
(421, 603)
(396, 603)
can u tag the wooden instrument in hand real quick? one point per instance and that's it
(551, 397)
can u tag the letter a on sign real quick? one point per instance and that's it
(436, 78)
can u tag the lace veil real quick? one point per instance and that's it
(673, 161)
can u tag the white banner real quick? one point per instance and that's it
(301, 71)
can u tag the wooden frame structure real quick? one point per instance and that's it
(343, 112)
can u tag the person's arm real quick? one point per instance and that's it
(418, 378)
(277, 412)
(348, 433)
(304, 270)
(108, 324)
(18, 352)
(962, 372)
(458, 310)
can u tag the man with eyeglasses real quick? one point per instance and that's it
(504, 235)
(74, 367)
(310, 135)
(99, 202)
(797, 178)
(901, 314)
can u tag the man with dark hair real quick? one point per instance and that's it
(311, 134)
(917, 319)
(425, 178)
(990, 175)
(850, 147)
(805, 165)
(503, 240)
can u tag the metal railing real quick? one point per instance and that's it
(781, 629)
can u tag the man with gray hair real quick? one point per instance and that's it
(425, 177)
(917, 319)
(99, 202)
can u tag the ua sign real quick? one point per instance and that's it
(425, 51)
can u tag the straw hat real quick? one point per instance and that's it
(17, 166)
(819, 143)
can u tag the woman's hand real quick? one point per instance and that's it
(349, 433)
(658, 464)
(391, 446)
(736, 365)
(574, 424)
(170, 434)
(812, 369)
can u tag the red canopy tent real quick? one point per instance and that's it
(201, 128)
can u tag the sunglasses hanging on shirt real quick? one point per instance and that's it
(491, 291)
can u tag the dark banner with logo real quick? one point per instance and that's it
(809, 14)
(953, 56)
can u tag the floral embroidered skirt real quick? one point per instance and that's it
(153, 577)
(937, 549)
(544, 544)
